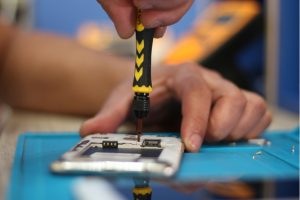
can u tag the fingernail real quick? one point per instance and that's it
(194, 142)
(154, 24)
(159, 32)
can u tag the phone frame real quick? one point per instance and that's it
(111, 160)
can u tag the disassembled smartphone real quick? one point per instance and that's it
(121, 154)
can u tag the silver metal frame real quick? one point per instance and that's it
(165, 165)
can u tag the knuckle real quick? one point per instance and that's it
(255, 134)
(187, 74)
(237, 97)
(216, 133)
(218, 128)
(236, 136)
(233, 137)
(216, 136)
(188, 80)
(258, 103)
(212, 73)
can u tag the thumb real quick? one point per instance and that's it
(112, 114)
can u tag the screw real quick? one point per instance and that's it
(293, 148)
(256, 153)
(269, 143)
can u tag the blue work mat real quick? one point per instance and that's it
(277, 159)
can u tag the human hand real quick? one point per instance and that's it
(155, 14)
(207, 106)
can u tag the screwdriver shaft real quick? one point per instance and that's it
(139, 128)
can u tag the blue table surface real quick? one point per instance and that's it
(31, 178)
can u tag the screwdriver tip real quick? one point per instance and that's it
(139, 128)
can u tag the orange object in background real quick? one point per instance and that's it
(219, 23)
(94, 36)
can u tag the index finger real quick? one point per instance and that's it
(195, 96)
(153, 18)
(123, 15)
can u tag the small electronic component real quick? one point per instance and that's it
(121, 154)
(110, 144)
(151, 143)
(80, 145)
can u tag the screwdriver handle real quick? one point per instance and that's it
(142, 193)
(142, 72)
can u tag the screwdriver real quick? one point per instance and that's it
(142, 85)
(142, 189)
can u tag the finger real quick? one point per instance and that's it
(164, 109)
(261, 126)
(155, 18)
(191, 89)
(123, 15)
(254, 111)
(160, 31)
(113, 113)
(159, 4)
(229, 104)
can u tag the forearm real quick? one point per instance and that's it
(7, 34)
(51, 73)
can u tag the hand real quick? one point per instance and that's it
(208, 106)
(155, 14)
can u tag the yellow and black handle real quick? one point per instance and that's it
(142, 190)
(144, 193)
(142, 84)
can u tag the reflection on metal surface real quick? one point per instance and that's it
(256, 154)
(259, 141)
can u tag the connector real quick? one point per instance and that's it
(109, 144)
(151, 143)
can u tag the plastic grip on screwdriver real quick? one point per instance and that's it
(142, 193)
(142, 72)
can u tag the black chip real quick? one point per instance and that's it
(151, 143)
